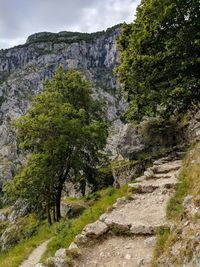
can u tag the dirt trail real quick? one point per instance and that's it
(35, 256)
(126, 236)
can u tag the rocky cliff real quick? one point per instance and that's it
(24, 68)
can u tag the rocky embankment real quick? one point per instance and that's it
(126, 236)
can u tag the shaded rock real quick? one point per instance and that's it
(130, 143)
(71, 210)
(3, 217)
(142, 229)
(81, 239)
(189, 206)
(20, 209)
(140, 188)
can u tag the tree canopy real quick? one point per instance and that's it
(64, 134)
(160, 58)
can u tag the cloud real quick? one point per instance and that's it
(20, 18)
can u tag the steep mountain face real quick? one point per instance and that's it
(23, 70)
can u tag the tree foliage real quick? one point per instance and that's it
(64, 134)
(160, 58)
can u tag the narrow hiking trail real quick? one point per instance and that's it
(35, 256)
(126, 235)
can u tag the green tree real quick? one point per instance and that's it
(160, 58)
(65, 134)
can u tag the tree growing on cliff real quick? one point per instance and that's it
(65, 134)
(160, 58)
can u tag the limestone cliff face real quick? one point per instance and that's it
(23, 70)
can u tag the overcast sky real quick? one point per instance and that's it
(20, 18)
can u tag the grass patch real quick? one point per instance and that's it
(162, 236)
(165, 238)
(20, 252)
(67, 230)
(175, 210)
(189, 183)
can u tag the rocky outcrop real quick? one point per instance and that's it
(193, 128)
(23, 70)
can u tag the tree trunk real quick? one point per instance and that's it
(54, 213)
(58, 201)
(49, 213)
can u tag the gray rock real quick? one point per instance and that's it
(95, 229)
(3, 217)
(142, 229)
(60, 258)
(20, 209)
(142, 188)
(189, 206)
(61, 253)
(81, 239)
(130, 143)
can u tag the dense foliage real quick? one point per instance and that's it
(160, 58)
(63, 132)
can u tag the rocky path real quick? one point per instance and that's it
(35, 256)
(126, 235)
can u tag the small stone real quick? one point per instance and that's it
(39, 265)
(74, 249)
(127, 256)
(103, 217)
(141, 178)
(148, 174)
(81, 239)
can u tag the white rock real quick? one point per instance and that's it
(127, 256)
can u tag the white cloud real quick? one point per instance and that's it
(20, 18)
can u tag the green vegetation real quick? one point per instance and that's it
(164, 239)
(161, 133)
(66, 133)
(67, 230)
(21, 251)
(159, 68)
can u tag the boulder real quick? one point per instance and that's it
(95, 229)
(130, 142)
